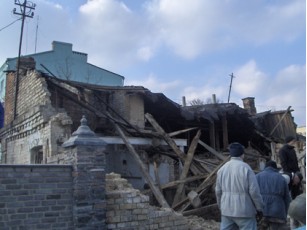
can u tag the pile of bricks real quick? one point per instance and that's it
(128, 208)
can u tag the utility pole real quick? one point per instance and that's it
(36, 34)
(26, 12)
(231, 75)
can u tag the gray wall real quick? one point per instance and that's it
(36, 197)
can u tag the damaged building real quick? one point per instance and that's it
(180, 147)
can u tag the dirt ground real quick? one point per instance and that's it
(199, 223)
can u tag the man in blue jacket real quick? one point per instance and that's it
(237, 192)
(275, 193)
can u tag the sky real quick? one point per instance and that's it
(179, 48)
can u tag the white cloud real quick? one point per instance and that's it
(116, 36)
(289, 87)
(249, 80)
(188, 28)
(145, 53)
(114, 33)
(155, 85)
(204, 93)
(286, 88)
(290, 90)
(196, 27)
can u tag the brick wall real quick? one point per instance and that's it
(36, 197)
(31, 91)
(129, 209)
(41, 197)
(36, 94)
(9, 98)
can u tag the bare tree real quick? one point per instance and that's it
(210, 101)
(197, 101)
(65, 69)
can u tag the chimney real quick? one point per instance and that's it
(213, 99)
(184, 101)
(27, 63)
(249, 105)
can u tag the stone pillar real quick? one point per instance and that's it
(88, 159)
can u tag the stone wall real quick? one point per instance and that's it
(36, 197)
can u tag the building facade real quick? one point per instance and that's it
(66, 64)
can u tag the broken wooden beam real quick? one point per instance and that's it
(186, 166)
(200, 211)
(181, 131)
(157, 175)
(212, 150)
(167, 138)
(202, 187)
(170, 142)
(157, 193)
(283, 116)
(186, 180)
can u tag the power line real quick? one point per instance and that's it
(282, 106)
(10, 24)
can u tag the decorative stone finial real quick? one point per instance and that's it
(83, 130)
(83, 120)
(83, 136)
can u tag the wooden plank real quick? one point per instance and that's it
(170, 141)
(167, 138)
(205, 167)
(186, 180)
(217, 139)
(212, 150)
(202, 186)
(181, 131)
(157, 193)
(212, 135)
(200, 211)
(186, 166)
(157, 175)
(279, 122)
(225, 131)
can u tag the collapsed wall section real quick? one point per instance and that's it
(129, 209)
(32, 90)
(37, 130)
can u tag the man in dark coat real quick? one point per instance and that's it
(289, 164)
(276, 197)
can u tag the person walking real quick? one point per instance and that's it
(289, 164)
(275, 194)
(237, 192)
